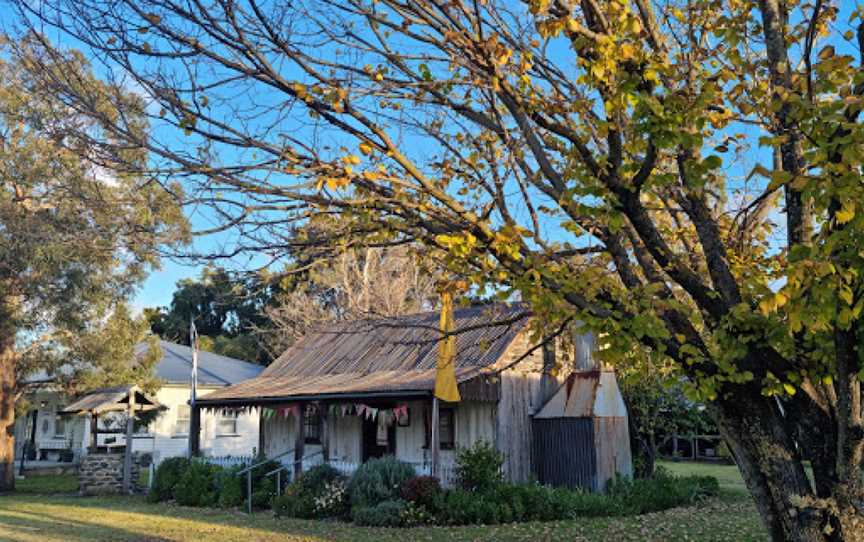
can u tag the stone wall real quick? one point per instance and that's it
(102, 474)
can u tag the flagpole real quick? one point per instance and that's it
(194, 418)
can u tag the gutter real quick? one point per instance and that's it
(204, 402)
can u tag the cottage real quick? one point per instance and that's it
(363, 389)
(48, 433)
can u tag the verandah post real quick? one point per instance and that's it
(127, 456)
(300, 441)
(436, 439)
(325, 433)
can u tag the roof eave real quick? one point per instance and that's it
(261, 401)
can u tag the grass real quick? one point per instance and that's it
(27, 517)
(731, 483)
(48, 484)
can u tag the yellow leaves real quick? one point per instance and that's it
(300, 90)
(332, 183)
(538, 6)
(772, 302)
(503, 55)
(458, 245)
(846, 212)
(789, 388)
(826, 52)
(352, 159)
(366, 148)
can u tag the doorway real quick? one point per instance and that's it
(372, 446)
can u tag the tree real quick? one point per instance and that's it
(76, 235)
(357, 283)
(656, 408)
(227, 310)
(684, 175)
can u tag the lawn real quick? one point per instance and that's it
(28, 517)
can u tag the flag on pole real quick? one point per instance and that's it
(446, 388)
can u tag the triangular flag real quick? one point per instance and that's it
(446, 387)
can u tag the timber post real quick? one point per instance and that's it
(436, 440)
(300, 441)
(195, 430)
(325, 434)
(94, 431)
(127, 454)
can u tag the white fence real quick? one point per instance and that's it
(229, 460)
(446, 471)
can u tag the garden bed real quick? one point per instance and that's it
(388, 493)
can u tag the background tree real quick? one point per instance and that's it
(76, 235)
(356, 283)
(684, 175)
(228, 309)
(656, 407)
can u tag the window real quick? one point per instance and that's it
(446, 428)
(181, 426)
(227, 423)
(59, 424)
(312, 427)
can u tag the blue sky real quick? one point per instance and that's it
(158, 288)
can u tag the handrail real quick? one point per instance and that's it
(248, 472)
(290, 466)
(258, 464)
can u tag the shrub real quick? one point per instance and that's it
(379, 480)
(331, 500)
(230, 488)
(319, 492)
(415, 515)
(165, 479)
(661, 492)
(197, 486)
(294, 503)
(263, 487)
(384, 514)
(478, 468)
(422, 490)
(316, 478)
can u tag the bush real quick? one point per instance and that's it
(197, 486)
(332, 499)
(479, 468)
(294, 503)
(422, 490)
(379, 480)
(230, 487)
(662, 492)
(320, 492)
(165, 479)
(384, 514)
(263, 487)
(415, 515)
(319, 476)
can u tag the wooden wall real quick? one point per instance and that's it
(474, 421)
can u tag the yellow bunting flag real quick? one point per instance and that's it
(445, 377)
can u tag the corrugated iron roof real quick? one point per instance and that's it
(585, 394)
(381, 355)
(175, 366)
(110, 399)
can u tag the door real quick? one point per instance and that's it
(373, 446)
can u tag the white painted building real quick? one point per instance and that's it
(51, 436)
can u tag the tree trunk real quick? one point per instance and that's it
(772, 465)
(7, 411)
